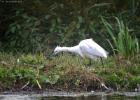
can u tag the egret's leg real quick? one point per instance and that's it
(102, 61)
(81, 60)
(86, 62)
(90, 62)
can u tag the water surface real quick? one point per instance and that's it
(73, 96)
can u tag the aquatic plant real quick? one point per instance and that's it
(123, 43)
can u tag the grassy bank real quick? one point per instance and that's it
(67, 72)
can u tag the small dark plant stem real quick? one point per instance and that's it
(102, 62)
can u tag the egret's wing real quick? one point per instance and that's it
(86, 51)
(90, 47)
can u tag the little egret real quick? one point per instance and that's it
(86, 48)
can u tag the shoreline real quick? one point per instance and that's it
(68, 94)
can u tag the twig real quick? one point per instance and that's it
(38, 84)
(25, 85)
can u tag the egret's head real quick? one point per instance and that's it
(57, 50)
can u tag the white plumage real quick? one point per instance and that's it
(86, 48)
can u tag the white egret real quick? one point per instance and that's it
(86, 48)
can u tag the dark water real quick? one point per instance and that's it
(71, 96)
(116, 97)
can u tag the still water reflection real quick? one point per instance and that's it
(100, 96)
(93, 98)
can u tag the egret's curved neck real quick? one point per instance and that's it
(65, 48)
(69, 49)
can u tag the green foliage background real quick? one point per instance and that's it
(39, 25)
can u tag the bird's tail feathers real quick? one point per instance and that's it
(107, 52)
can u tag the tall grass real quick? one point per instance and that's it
(123, 43)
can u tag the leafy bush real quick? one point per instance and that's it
(45, 24)
(10, 77)
(22, 35)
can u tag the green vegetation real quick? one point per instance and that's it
(40, 25)
(125, 45)
(66, 72)
(29, 31)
